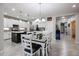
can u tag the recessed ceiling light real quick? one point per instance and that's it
(5, 13)
(73, 5)
(13, 9)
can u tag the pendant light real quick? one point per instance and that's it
(40, 19)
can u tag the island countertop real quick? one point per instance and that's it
(17, 31)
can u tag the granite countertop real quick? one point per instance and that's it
(17, 31)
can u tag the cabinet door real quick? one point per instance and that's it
(7, 35)
(14, 37)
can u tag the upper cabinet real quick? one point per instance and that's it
(9, 23)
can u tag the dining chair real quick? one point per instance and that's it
(45, 46)
(48, 43)
(30, 49)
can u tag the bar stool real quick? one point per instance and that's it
(30, 49)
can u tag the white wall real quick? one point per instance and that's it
(77, 28)
(1, 31)
(49, 26)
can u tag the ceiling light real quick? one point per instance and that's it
(4, 18)
(74, 6)
(13, 9)
(5, 13)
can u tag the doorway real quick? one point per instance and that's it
(67, 27)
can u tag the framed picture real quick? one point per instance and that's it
(49, 18)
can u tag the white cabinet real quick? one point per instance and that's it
(9, 23)
(7, 35)
(23, 24)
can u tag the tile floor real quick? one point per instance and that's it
(11, 49)
(63, 47)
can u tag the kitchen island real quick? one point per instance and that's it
(16, 36)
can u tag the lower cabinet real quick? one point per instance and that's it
(7, 35)
(16, 37)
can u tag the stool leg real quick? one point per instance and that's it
(39, 52)
(46, 52)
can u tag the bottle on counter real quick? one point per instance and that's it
(37, 28)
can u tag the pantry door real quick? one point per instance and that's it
(73, 29)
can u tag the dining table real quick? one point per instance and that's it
(41, 42)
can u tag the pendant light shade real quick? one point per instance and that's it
(38, 20)
(43, 20)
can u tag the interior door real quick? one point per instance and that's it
(73, 29)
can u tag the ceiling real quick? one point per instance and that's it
(33, 9)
